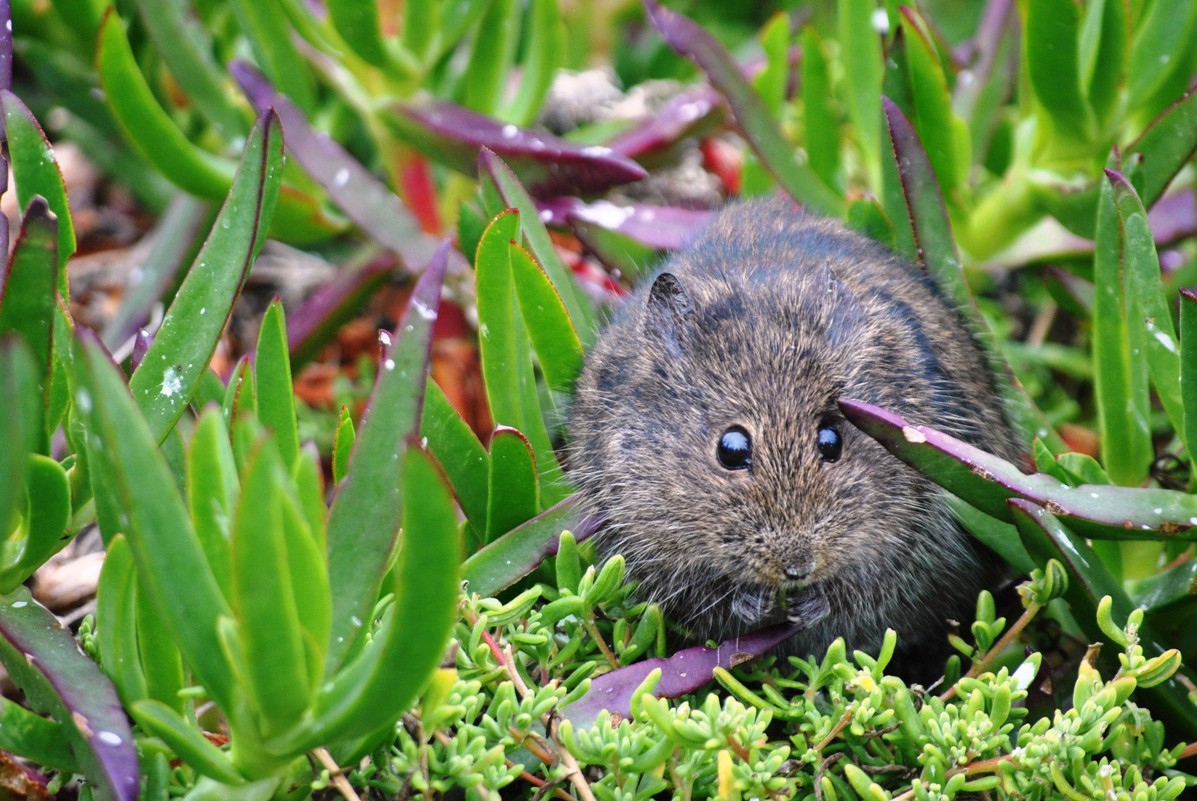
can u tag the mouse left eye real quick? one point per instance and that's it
(830, 443)
(735, 449)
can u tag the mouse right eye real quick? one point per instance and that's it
(735, 449)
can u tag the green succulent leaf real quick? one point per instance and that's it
(212, 492)
(506, 349)
(176, 361)
(1148, 314)
(116, 610)
(514, 488)
(36, 174)
(186, 740)
(358, 24)
(1119, 369)
(518, 552)
(1188, 368)
(386, 677)
(185, 44)
(272, 371)
(145, 504)
(553, 336)
(28, 304)
(543, 55)
(264, 599)
(367, 510)
(455, 446)
(146, 126)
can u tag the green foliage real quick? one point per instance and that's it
(834, 727)
(237, 597)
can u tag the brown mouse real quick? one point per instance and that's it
(706, 437)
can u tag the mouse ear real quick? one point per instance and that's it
(668, 306)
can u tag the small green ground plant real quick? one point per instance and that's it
(416, 623)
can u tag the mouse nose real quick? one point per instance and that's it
(796, 572)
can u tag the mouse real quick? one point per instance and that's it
(706, 441)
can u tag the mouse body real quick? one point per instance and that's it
(706, 439)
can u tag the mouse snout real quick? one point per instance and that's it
(796, 571)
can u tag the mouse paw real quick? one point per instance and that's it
(807, 607)
(751, 604)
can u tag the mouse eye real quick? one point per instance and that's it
(830, 443)
(735, 449)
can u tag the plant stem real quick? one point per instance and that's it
(983, 663)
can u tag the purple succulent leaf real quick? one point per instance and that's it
(664, 227)
(311, 325)
(5, 44)
(355, 190)
(46, 663)
(683, 672)
(141, 343)
(547, 165)
(682, 116)
(988, 482)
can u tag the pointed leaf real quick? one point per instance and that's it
(513, 195)
(1119, 367)
(150, 512)
(116, 621)
(490, 58)
(212, 493)
(27, 291)
(342, 445)
(366, 512)
(460, 454)
(188, 743)
(935, 245)
(514, 489)
(36, 173)
(506, 351)
(821, 121)
(264, 599)
(146, 126)
(863, 75)
(364, 198)
(543, 55)
(384, 681)
(1166, 146)
(272, 371)
(518, 552)
(455, 136)
(175, 363)
(758, 126)
(1147, 308)
(185, 45)
(553, 336)
(1188, 370)
(987, 482)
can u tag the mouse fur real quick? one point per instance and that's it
(764, 322)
